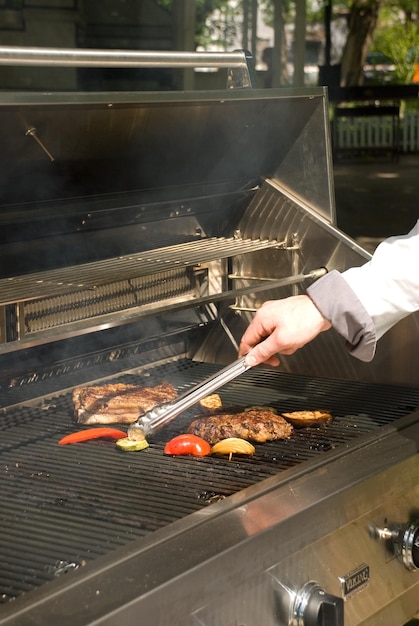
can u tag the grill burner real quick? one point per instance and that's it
(64, 506)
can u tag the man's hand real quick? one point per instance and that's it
(281, 327)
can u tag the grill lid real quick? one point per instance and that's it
(113, 143)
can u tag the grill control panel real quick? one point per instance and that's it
(314, 607)
(404, 539)
(310, 605)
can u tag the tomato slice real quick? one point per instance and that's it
(187, 444)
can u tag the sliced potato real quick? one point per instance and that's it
(132, 445)
(300, 419)
(211, 403)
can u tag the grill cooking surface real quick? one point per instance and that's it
(64, 505)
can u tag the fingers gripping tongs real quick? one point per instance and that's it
(160, 415)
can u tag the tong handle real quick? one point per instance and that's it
(159, 416)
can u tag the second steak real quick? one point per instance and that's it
(118, 402)
(257, 425)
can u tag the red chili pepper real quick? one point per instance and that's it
(188, 444)
(93, 433)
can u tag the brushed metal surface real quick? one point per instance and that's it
(228, 564)
(76, 57)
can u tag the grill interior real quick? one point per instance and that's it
(62, 506)
(62, 297)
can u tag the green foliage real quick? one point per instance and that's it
(399, 41)
(211, 31)
(165, 4)
(216, 25)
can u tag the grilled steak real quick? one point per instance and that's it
(118, 403)
(256, 425)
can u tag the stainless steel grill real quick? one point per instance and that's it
(138, 254)
(81, 502)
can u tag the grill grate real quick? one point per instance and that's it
(91, 275)
(62, 506)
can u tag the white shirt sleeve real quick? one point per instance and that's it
(364, 302)
(388, 285)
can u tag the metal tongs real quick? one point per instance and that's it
(154, 419)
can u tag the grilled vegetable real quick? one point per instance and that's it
(187, 444)
(233, 445)
(132, 445)
(211, 404)
(93, 433)
(301, 419)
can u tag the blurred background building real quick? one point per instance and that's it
(154, 25)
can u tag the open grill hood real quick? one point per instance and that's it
(66, 146)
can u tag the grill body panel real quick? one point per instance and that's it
(91, 508)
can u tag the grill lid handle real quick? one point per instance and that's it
(151, 421)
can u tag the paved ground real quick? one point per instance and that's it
(375, 197)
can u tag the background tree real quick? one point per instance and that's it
(276, 15)
(387, 26)
(219, 25)
(213, 18)
(362, 21)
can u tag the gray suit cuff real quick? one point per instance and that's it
(340, 305)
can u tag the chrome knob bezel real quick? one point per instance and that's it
(301, 601)
(410, 540)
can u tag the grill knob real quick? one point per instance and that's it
(405, 540)
(410, 546)
(314, 607)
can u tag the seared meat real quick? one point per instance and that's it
(256, 425)
(118, 403)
